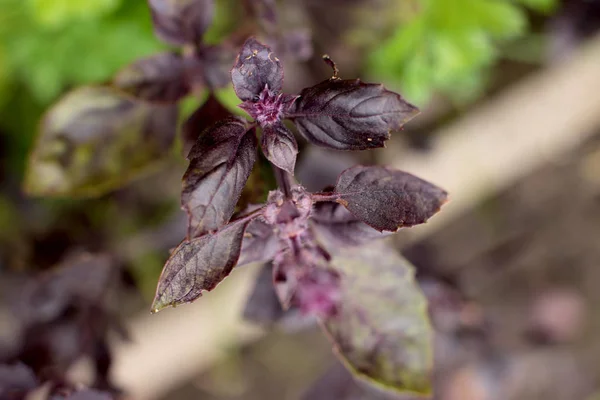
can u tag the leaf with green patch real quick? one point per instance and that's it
(220, 164)
(160, 78)
(96, 139)
(382, 331)
(199, 264)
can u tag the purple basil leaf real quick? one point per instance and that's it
(387, 199)
(279, 146)
(16, 381)
(178, 22)
(260, 244)
(349, 114)
(256, 67)
(160, 78)
(199, 264)
(263, 305)
(220, 164)
(338, 227)
(382, 330)
(205, 116)
(96, 139)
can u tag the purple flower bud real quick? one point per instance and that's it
(318, 293)
(268, 107)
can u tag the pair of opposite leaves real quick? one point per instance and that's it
(336, 113)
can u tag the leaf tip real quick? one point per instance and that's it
(159, 304)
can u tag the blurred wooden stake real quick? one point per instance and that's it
(171, 347)
(527, 125)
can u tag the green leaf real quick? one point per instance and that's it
(543, 6)
(94, 140)
(59, 12)
(382, 332)
(447, 47)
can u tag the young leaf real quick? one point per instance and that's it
(178, 22)
(199, 264)
(94, 140)
(256, 67)
(206, 115)
(338, 227)
(349, 114)
(387, 199)
(220, 163)
(279, 146)
(160, 78)
(260, 244)
(382, 331)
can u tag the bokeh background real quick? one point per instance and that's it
(510, 126)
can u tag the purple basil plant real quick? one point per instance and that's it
(295, 230)
(336, 113)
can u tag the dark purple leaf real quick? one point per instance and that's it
(220, 163)
(179, 22)
(279, 146)
(263, 305)
(16, 381)
(199, 264)
(349, 114)
(65, 317)
(205, 116)
(338, 227)
(96, 139)
(160, 78)
(387, 199)
(260, 244)
(382, 330)
(255, 69)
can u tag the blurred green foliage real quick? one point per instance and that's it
(53, 44)
(48, 46)
(448, 46)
